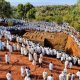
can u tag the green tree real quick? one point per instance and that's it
(31, 14)
(20, 11)
(27, 7)
(59, 19)
(5, 9)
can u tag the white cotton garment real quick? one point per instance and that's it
(66, 64)
(30, 57)
(7, 58)
(51, 66)
(27, 78)
(35, 56)
(9, 76)
(50, 78)
(45, 74)
(40, 60)
(22, 71)
(78, 74)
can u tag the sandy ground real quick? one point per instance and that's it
(35, 71)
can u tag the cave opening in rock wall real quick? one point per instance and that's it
(47, 43)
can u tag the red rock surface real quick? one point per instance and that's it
(59, 41)
(72, 47)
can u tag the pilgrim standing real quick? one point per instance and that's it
(66, 64)
(40, 62)
(45, 75)
(27, 78)
(35, 56)
(7, 58)
(28, 72)
(73, 76)
(50, 77)
(68, 77)
(9, 76)
(78, 74)
(30, 57)
(51, 66)
(22, 71)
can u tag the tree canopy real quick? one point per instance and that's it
(5, 9)
(57, 13)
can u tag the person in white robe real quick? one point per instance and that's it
(50, 77)
(62, 76)
(17, 38)
(31, 50)
(40, 61)
(47, 51)
(73, 76)
(66, 64)
(30, 57)
(74, 60)
(68, 76)
(45, 75)
(9, 76)
(10, 49)
(55, 52)
(14, 47)
(43, 51)
(18, 47)
(0, 45)
(70, 58)
(51, 66)
(79, 62)
(34, 62)
(58, 55)
(28, 72)
(41, 55)
(65, 71)
(35, 56)
(27, 78)
(38, 49)
(4, 45)
(7, 44)
(7, 58)
(78, 74)
(62, 58)
(22, 51)
(22, 71)
(70, 64)
(25, 51)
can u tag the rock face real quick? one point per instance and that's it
(59, 41)
(53, 40)
(71, 47)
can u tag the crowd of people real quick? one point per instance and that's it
(36, 52)
(43, 26)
